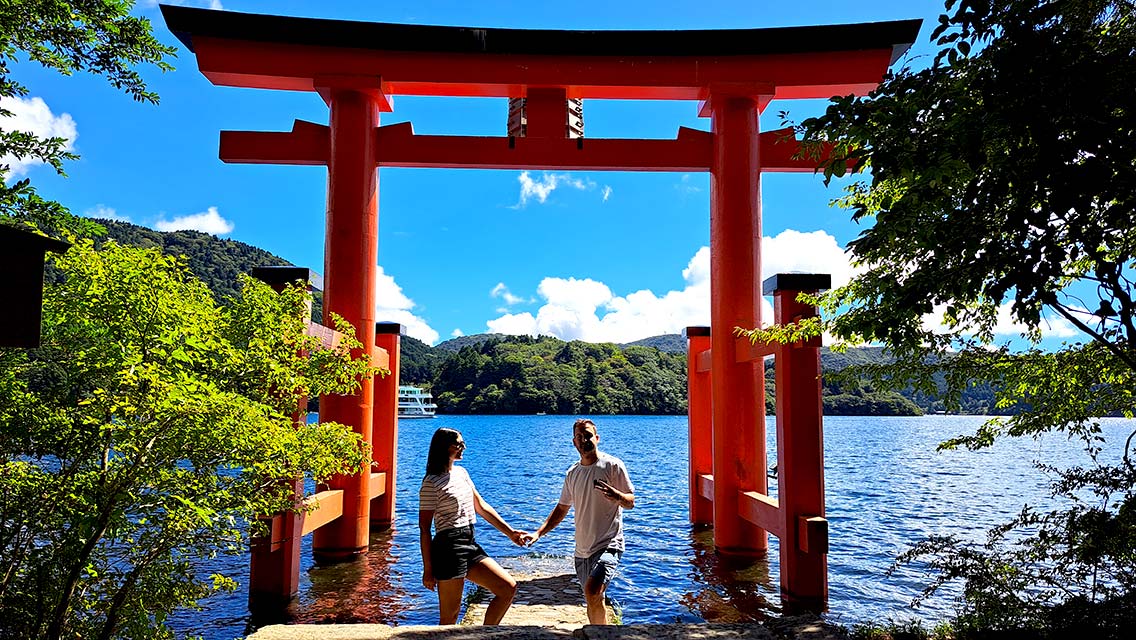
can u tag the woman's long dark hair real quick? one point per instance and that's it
(439, 456)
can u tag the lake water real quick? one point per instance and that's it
(886, 488)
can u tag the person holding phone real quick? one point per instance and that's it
(449, 501)
(600, 489)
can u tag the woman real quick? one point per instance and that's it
(449, 500)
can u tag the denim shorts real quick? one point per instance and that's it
(453, 552)
(601, 565)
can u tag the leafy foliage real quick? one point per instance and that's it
(147, 431)
(1002, 179)
(96, 36)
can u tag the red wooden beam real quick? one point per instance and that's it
(292, 67)
(326, 506)
(307, 144)
(706, 486)
(398, 146)
(762, 511)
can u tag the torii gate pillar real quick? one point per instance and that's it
(737, 388)
(351, 264)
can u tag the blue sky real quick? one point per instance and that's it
(598, 256)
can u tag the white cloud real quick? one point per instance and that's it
(32, 115)
(1052, 326)
(540, 189)
(684, 185)
(104, 212)
(457, 333)
(814, 252)
(209, 221)
(392, 305)
(606, 192)
(501, 291)
(584, 309)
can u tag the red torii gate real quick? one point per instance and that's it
(735, 73)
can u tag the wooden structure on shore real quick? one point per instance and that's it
(356, 68)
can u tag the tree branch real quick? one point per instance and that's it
(1114, 348)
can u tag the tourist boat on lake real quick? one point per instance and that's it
(414, 402)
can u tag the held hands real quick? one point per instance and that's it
(527, 539)
(519, 537)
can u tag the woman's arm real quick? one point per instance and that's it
(486, 511)
(553, 519)
(425, 518)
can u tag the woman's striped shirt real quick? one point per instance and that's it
(450, 497)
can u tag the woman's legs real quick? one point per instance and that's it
(493, 577)
(450, 600)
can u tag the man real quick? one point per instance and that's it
(599, 488)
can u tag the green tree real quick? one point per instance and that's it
(144, 436)
(69, 36)
(1004, 173)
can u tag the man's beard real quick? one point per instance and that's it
(588, 447)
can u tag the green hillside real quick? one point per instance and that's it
(216, 261)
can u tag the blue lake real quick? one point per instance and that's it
(886, 488)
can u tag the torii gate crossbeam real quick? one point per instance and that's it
(356, 67)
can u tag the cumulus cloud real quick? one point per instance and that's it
(541, 188)
(501, 291)
(103, 212)
(1052, 326)
(457, 333)
(32, 115)
(584, 309)
(209, 221)
(392, 305)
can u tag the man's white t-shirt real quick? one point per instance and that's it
(599, 521)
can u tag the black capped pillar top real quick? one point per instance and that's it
(386, 328)
(796, 282)
(697, 332)
(21, 257)
(281, 276)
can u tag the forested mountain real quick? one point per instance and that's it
(668, 342)
(454, 345)
(216, 261)
(418, 361)
(521, 374)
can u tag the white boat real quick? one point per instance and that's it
(413, 402)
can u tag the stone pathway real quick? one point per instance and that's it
(551, 607)
(543, 600)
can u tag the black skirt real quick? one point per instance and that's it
(453, 552)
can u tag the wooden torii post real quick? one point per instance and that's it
(717, 460)
(355, 67)
(274, 571)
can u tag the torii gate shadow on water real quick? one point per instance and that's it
(356, 67)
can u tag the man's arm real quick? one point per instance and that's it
(553, 519)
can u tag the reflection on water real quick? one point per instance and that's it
(728, 588)
(360, 591)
